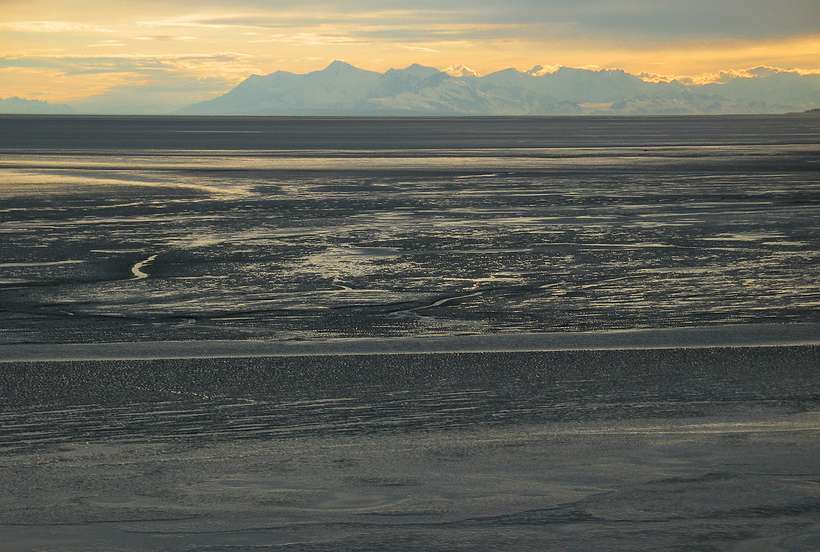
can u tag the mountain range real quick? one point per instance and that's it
(342, 89)
(417, 90)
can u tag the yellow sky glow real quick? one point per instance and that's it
(65, 51)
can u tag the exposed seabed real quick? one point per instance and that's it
(695, 448)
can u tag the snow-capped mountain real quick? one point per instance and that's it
(541, 70)
(460, 71)
(342, 89)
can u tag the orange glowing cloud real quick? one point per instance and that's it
(62, 50)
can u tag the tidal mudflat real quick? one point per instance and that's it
(707, 449)
(145, 229)
(410, 334)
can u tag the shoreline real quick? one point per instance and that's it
(702, 337)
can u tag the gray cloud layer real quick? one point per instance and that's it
(623, 19)
(85, 65)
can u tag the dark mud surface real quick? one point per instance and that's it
(491, 227)
(699, 449)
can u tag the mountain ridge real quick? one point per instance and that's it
(343, 89)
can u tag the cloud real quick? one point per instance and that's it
(306, 39)
(53, 27)
(439, 34)
(295, 18)
(138, 83)
(633, 20)
(165, 38)
(107, 44)
(78, 65)
(627, 21)
(423, 49)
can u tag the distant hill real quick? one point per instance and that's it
(22, 106)
(342, 89)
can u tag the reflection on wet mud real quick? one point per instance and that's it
(304, 243)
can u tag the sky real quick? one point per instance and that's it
(164, 54)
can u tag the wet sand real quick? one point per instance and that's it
(741, 335)
(690, 449)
